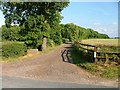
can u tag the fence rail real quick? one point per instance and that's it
(98, 55)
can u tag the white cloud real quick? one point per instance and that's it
(105, 30)
(114, 23)
(102, 30)
(97, 23)
(111, 30)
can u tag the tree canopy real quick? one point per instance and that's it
(37, 20)
(19, 12)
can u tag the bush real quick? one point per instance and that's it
(12, 49)
(57, 38)
(50, 42)
(65, 40)
(11, 33)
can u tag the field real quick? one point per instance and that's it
(104, 70)
(104, 45)
(106, 42)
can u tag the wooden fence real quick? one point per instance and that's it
(104, 56)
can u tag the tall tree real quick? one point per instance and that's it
(36, 17)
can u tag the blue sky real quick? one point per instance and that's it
(100, 16)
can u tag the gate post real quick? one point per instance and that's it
(107, 59)
(95, 54)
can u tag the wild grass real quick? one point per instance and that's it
(104, 45)
(105, 71)
(110, 72)
(106, 42)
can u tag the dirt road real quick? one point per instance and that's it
(53, 66)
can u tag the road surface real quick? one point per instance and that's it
(12, 82)
(54, 66)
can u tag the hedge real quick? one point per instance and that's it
(12, 49)
(65, 40)
(50, 42)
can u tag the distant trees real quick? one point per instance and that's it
(73, 32)
(58, 33)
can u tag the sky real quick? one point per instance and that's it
(100, 16)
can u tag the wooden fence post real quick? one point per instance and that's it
(107, 59)
(87, 49)
(95, 54)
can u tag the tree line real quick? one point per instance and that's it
(39, 24)
(56, 35)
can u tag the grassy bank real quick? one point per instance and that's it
(104, 71)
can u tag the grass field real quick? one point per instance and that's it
(108, 71)
(107, 42)
(104, 45)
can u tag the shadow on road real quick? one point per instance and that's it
(66, 54)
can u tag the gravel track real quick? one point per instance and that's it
(51, 67)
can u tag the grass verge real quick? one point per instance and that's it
(27, 57)
(104, 71)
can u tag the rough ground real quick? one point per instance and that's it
(51, 67)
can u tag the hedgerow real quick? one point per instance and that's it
(12, 49)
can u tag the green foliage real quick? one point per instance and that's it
(31, 36)
(40, 19)
(74, 32)
(11, 33)
(57, 38)
(12, 49)
(36, 20)
(108, 72)
(50, 42)
(18, 12)
(64, 40)
(91, 67)
(55, 33)
(77, 56)
(78, 59)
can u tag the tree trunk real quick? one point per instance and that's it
(44, 43)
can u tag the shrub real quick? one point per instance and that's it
(11, 33)
(65, 40)
(57, 38)
(12, 49)
(50, 42)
